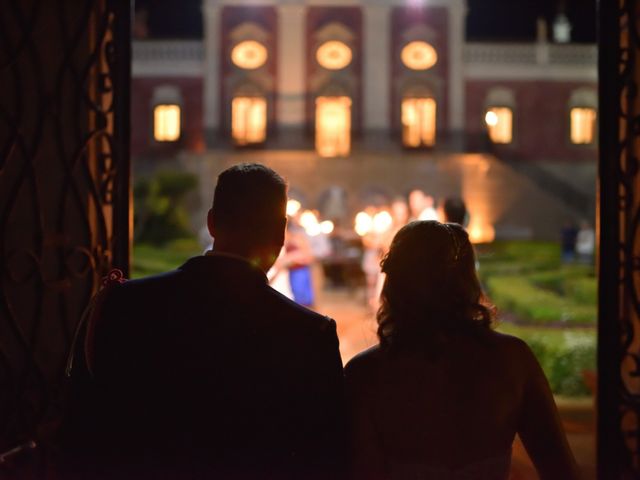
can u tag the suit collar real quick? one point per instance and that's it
(230, 267)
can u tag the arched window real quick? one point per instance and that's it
(583, 117)
(333, 126)
(498, 115)
(248, 116)
(418, 117)
(167, 114)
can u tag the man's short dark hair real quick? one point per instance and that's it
(455, 211)
(249, 197)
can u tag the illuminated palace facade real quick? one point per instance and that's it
(347, 78)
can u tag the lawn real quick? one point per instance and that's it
(151, 260)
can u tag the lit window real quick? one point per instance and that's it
(166, 123)
(249, 120)
(418, 122)
(249, 55)
(583, 125)
(499, 122)
(418, 55)
(333, 126)
(334, 55)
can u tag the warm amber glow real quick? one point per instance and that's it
(293, 207)
(583, 125)
(499, 122)
(333, 126)
(418, 55)
(166, 123)
(418, 122)
(326, 227)
(334, 55)
(249, 120)
(481, 231)
(363, 223)
(249, 55)
(382, 222)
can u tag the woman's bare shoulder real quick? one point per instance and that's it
(512, 347)
(364, 361)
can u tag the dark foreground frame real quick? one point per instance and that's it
(70, 120)
(619, 226)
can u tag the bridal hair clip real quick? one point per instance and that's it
(454, 240)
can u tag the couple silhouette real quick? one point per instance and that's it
(207, 372)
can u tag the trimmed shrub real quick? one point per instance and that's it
(160, 213)
(564, 355)
(536, 305)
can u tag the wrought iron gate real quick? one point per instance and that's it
(64, 189)
(619, 226)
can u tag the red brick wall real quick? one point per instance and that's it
(540, 119)
(191, 139)
(436, 19)
(351, 17)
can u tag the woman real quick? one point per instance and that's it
(443, 395)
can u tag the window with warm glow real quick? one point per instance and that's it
(499, 121)
(334, 55)
(166, 123)
(249, 120)
(583, 125)
(418, 55)
(249, 55)
(418, 122)
(333, 126)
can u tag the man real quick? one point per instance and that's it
(206, 371)
(455, 211)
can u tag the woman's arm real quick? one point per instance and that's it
(540, 427)
(366, 460)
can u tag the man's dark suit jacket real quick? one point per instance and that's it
(207, 371)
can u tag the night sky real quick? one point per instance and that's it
(488, 20)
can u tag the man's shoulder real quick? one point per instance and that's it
(300, 315)
(154, 287)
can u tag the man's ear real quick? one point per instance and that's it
(210, 223)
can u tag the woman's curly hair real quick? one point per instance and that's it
(431, 290)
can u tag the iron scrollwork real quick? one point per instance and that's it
(64, 190)
(619, 226)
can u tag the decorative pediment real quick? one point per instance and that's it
(500, 96)
(166, 94)
(249, 31)
(584, 97)
(419, 32)
(334, 31)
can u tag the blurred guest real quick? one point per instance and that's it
(454, 210)
(400, 213)
(298, 258)
(416, 204)
(569, 234)
(585, 242)
(278, 276)
(429, 211)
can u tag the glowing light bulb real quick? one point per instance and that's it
(326, 227)
(491, 118)
(308, 220)
(382, 221)
(363, 223)
(293, 207)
